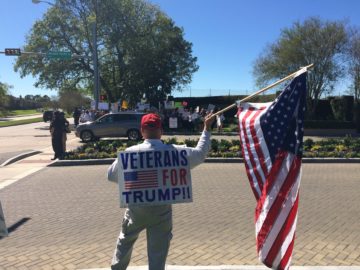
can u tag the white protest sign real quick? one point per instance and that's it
(210, 107)
(154, 177)
(169, 104)
(3, 229)
(173, 122)
(101, 105)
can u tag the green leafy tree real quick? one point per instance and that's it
(354, 64)
(70, 99)
(140, 49)
(314, 41)
(4, 91)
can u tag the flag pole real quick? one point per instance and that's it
(262, 90)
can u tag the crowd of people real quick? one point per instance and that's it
(191, 119)
(186, 119)
(85, 115)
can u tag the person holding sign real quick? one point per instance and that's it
(156, 219)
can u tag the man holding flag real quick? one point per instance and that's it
(156, 219)
(272, 139)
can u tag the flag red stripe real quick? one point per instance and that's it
(140, 186)
(272, 176)
(251, 180)
(276, 206)
(253, 165)
(285, 260)
(285, 230)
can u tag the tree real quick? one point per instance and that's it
(313, 41)
(4, 91)
(70, 99)
(354, 63)
(140, 49)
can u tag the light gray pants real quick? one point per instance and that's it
(157, 220)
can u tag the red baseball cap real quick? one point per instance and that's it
(151, 121)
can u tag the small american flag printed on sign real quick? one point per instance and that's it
(141, 179)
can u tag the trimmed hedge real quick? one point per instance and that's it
(317, 124)
(347, 147)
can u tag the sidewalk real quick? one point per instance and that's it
(69, 218)
(21, 117)
(26, 165)
(237, 267)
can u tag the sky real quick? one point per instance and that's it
(227, 37)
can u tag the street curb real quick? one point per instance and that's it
(18, 157)
(236, 267)
(107, 161)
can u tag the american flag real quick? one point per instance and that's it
(272, 140)
(140, 179)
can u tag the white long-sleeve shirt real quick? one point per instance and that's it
(196, 155)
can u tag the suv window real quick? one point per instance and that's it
(124, 117)
(111, 118)
(106, 119)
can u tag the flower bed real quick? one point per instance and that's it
(340, 148)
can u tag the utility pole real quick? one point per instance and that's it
(96, 69)
(95, 59)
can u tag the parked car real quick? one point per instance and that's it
(111, 125)
(48, 115)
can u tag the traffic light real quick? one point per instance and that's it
(103, 97)
(12, 51)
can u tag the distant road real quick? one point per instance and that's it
(15, 118)
(15, 140)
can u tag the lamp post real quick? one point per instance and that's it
(95, 59)
(95, 54)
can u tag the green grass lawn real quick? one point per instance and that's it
(23, 112)
(20, 122)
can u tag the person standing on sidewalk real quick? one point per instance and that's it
(57, 127)
(76, 115)
(157, 219)
(65, 131)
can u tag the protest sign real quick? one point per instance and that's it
(173, 122)
(169, 104)
(210, 108)
(154, 177)
(3, 229)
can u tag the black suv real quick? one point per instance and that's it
(48, 115)
(111, 125)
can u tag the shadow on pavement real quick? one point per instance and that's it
(16, 225)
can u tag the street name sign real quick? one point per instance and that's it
(59, 55)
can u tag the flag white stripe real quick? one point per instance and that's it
(252, 148)
(247, 158)
(281, 218)
(272, 195)
(262, 143)
(285, 244)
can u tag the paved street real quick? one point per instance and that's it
(68, 218)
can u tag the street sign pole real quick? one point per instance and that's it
(95, 59)
(96, 69)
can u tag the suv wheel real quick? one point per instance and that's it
(86, 136)
(133, 135)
